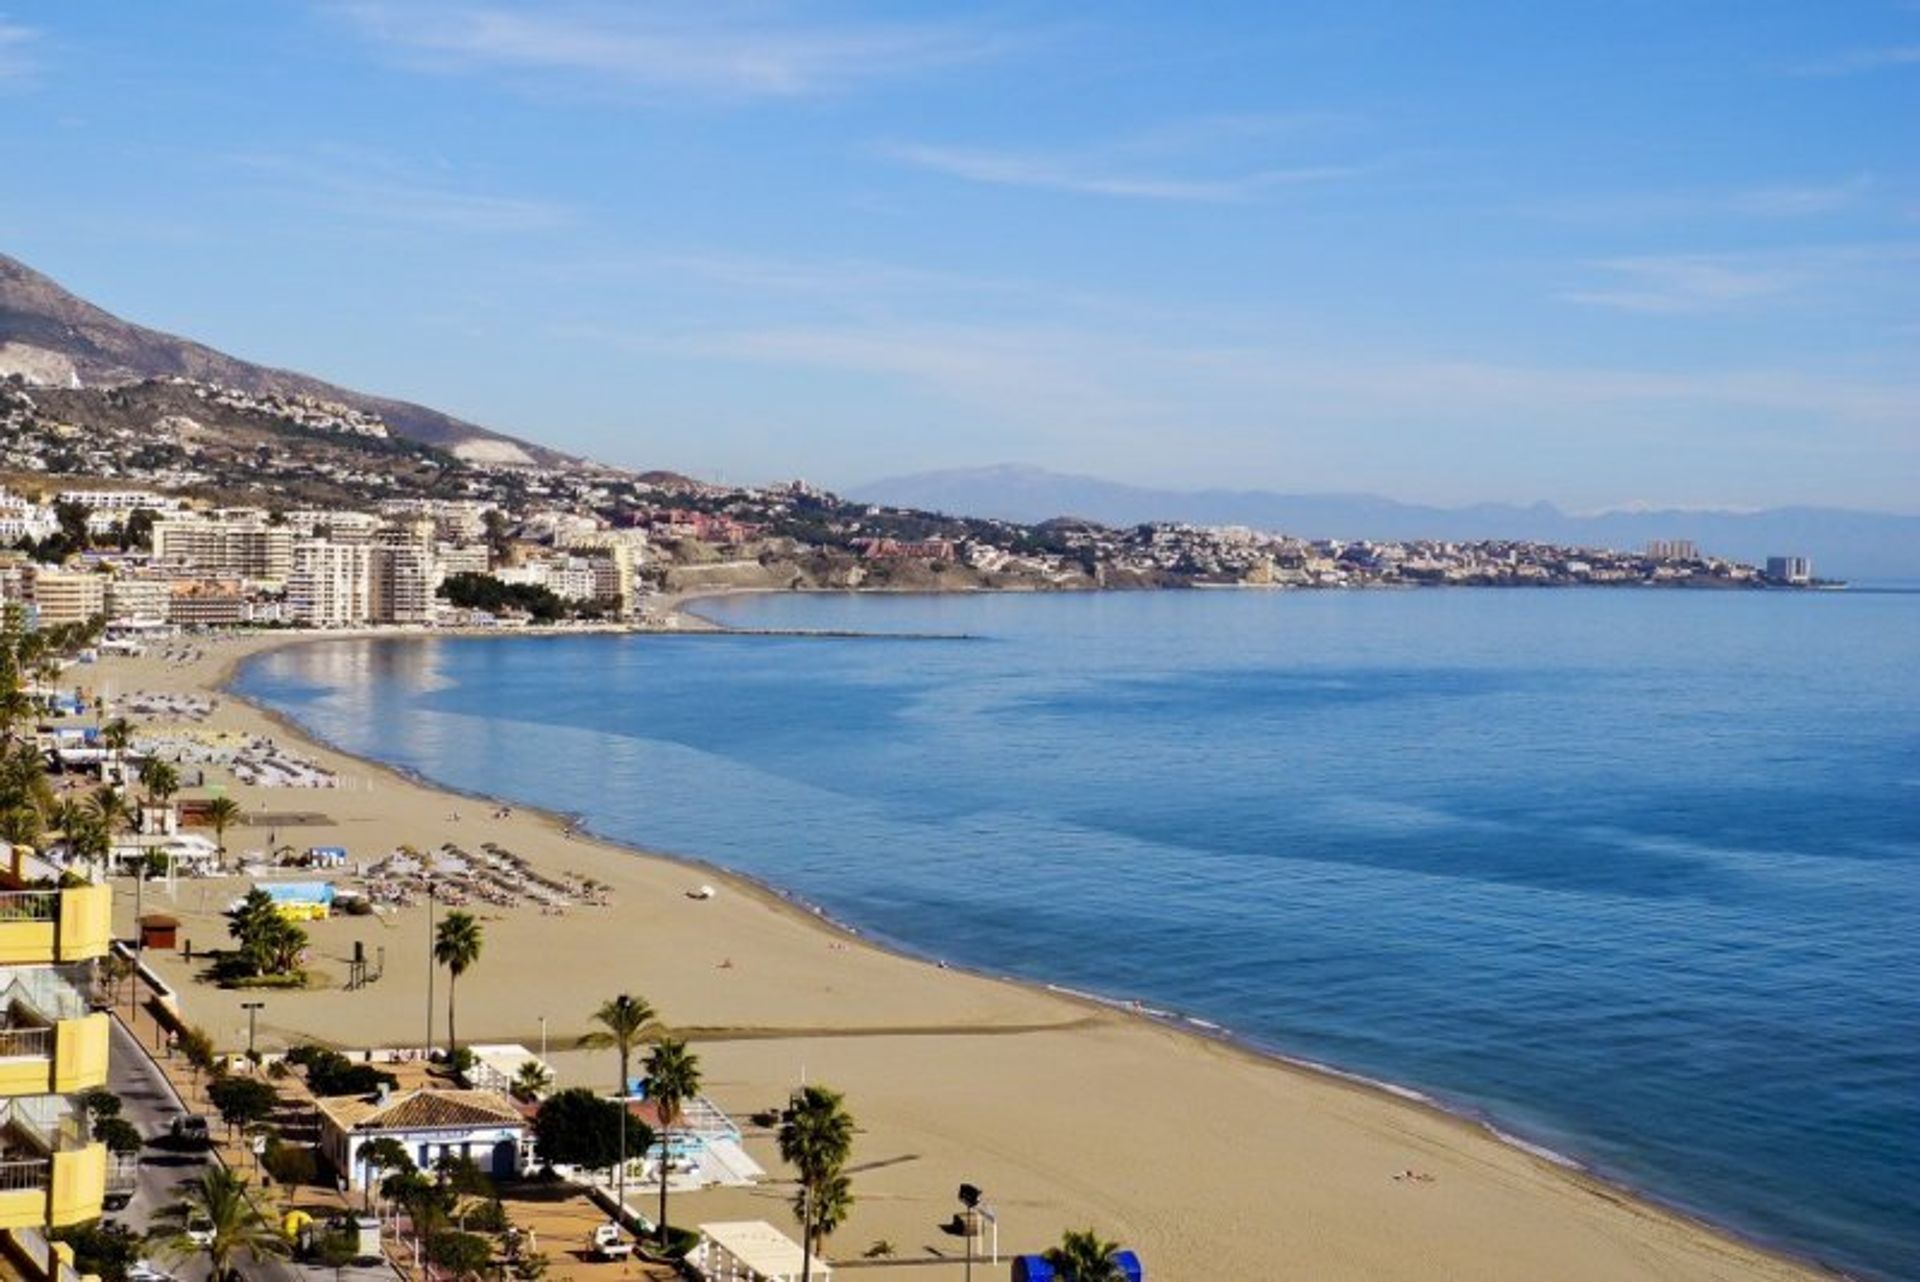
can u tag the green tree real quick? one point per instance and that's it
(673, 1078)
(575, 1127)
(72, 519)
(221, 813)
(385, 1155)
(104, 1250)
(1082, 1256)
(243, 1101)
(622, 1020)
(122, 1138)
(816, 1137)
(218, 1205)
(456, 945)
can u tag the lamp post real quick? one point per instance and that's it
(969, 1199)
(253, 1009)
(543, 1037)
(429, 970)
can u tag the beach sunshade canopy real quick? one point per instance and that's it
(758, 1247)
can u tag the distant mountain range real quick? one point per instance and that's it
(1842, 543)
(52, 336)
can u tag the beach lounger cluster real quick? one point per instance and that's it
(495, 876)
(166, 705)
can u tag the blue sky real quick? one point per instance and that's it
(1659, 251)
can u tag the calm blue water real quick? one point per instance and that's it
(1635, 874)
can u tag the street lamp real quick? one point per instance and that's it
(253, 1009)
(543, 1037)
(969, 1199)
(429, 970)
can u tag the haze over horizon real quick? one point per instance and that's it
(1606, 255)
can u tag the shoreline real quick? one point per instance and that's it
(1191, 1033)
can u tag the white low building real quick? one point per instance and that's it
(482, 1126)
(751, 1251)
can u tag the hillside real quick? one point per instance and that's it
(50, 336)
(1849, 544)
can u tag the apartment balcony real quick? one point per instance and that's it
(43, 922)
(60, 1057)
(50, 1175)
(27, 1256)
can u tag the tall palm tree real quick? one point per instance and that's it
(456, 945)
(673, 1078)
(532, 1081)
(622, 1019)
(827, 1207)
(160, 779)
(221, 812)
(117, 734)
(232, 1223)
(815, 1138)
(1083, 1257)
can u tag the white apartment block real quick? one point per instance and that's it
(243, 546)
(139, 600)
(331, 585)
(335, 527)
(61, 596)
(121, 501)
(463, 559)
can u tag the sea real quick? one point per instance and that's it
(1633, 876)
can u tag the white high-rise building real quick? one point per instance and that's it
(247, 547)
(331, 585)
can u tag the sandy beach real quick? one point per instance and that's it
(1211, 1161)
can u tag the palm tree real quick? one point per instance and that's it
(160, 779)
(221, 812)
(815, 1138)
(532, 1081)
(456, 945)
(219, 1207)
(621, 1020)
(673, 1078)
(1083, 1257)
(116, 735)
(827, 1206)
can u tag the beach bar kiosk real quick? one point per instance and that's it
(1034, 1268)
(751, 1251)
(159, 930)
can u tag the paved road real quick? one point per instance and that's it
(149, 1102)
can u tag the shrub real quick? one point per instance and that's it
(291, 1164)
(461, 1254)
(486, 1217)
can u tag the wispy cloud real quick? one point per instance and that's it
(1069, 174)
(717, 48)
(1775, 200)
(372, 188)
(16, 52)
(1676, 284)
(1855, 62)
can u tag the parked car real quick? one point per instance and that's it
(191, 1128)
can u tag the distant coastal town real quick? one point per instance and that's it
(178, 503)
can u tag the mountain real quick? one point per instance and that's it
(1842, 543)
(51, 336)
